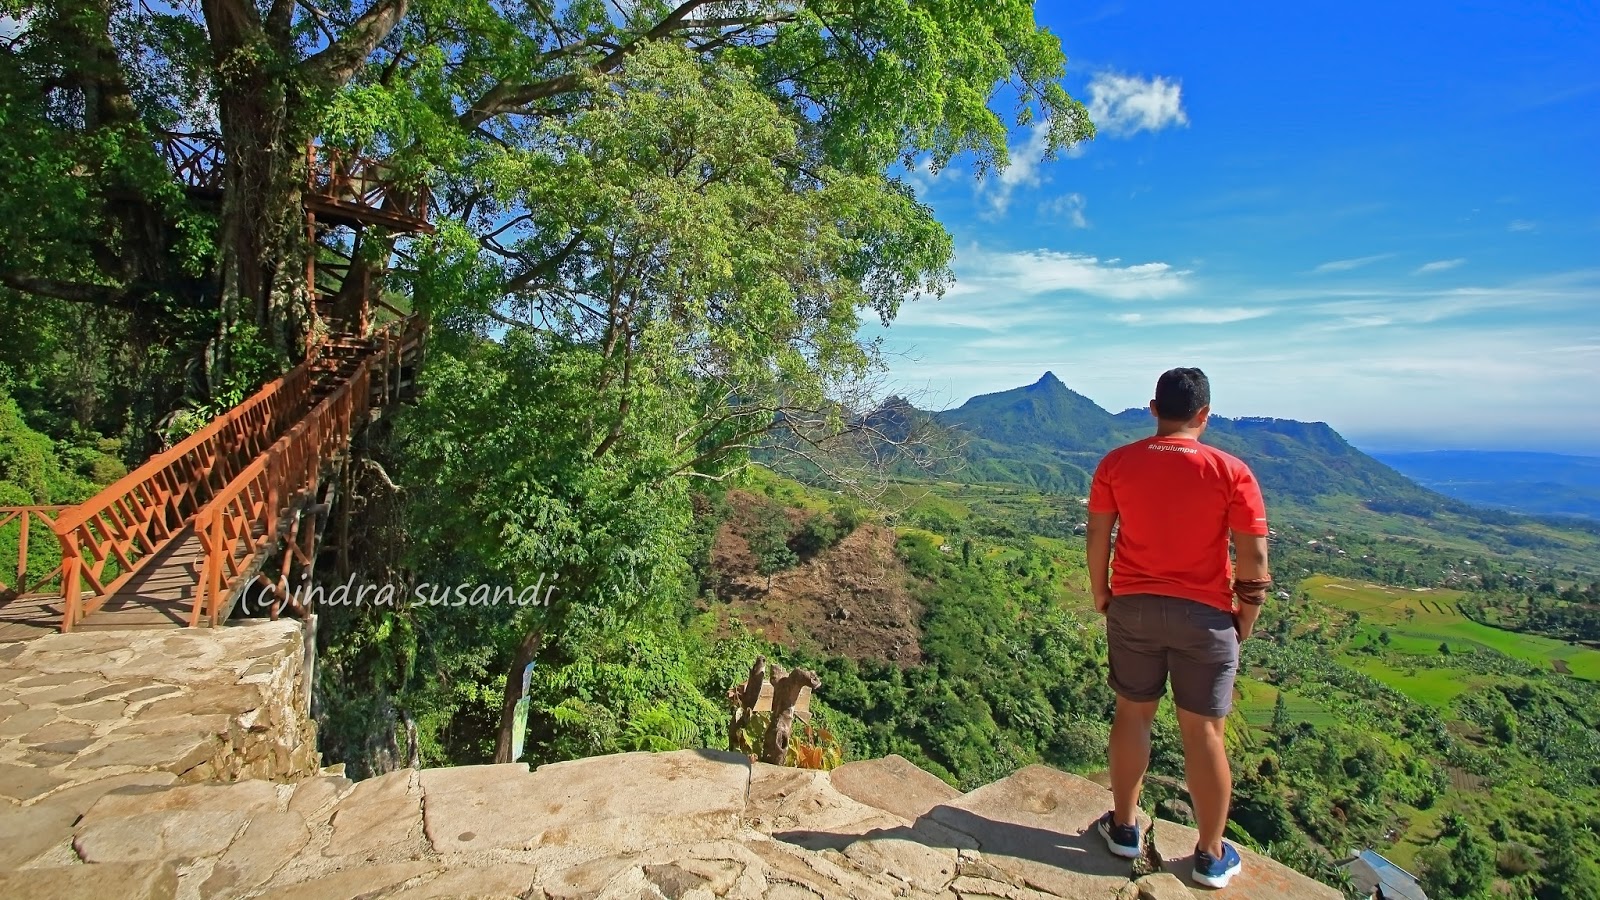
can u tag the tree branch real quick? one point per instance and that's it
(505, 96)
(72, 291)
(337, 63)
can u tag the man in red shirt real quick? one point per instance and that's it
(1170, 605)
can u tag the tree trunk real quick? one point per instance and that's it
(526, 651)
(262, 240)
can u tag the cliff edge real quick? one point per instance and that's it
(100, 799)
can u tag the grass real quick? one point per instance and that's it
(1256, 700)
(1419, 620)
(1435, 687)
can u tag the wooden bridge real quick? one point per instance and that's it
(177, 541)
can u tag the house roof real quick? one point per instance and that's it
(1371, 872)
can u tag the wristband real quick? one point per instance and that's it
(1253, 592)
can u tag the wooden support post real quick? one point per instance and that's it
(22, 551)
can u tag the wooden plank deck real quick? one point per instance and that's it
(25, 618)
(160, 595)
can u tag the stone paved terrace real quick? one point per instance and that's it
(180, 764)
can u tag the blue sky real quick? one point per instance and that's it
(1381, 216)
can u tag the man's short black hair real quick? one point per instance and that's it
(1180, 393)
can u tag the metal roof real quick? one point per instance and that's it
(1371, 873)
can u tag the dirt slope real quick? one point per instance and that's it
(850, 600)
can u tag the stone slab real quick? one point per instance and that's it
(367, 828)
(28, 832)
(1261, 878)
(24, 783)
(269, 842)
(347, 884)
(503, 881)
(1163, 886)
(604, 804)
(124, 881)
(1036, 825)
(893, 784)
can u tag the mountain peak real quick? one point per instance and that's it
(1048, 379)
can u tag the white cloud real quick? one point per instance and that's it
(1345, 265)
(1194, 316)
(1123, 105)
(1035, 272)
(1521, 225)
(1442, 265)
(1023, 170)
(1068, 208)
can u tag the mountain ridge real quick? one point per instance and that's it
(1048, 436)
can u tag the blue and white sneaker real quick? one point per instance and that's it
(1122, 839)
(1216, 872)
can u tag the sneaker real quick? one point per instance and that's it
(1122, 839)
(1216, 872)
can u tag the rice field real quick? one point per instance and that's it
(1419, 620)
(1256, 700)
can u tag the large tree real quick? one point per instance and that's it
(88, 85)
(662, 223)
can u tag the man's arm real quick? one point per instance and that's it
(1099, 540)
(1249, 565)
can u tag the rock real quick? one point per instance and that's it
(969, 888)
(1163, 886)
(1176, 811)
(1261, 878)
(346, 884)
(178, 835)
(269, 842)
(98, 711)
(176, 752)
(23, 783)
(366, 828)
(893, 784)
(23, 720)
(125, 881)
(1036, 826)
(672, 881)
(317, 794)
(501, 881)
(81, 796)
(604, 805)
(27, 832)
(58, 731)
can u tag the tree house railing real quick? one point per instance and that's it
(348, 188)
(195, 159)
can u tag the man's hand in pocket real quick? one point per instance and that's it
(1244, 619)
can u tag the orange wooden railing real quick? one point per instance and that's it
(247, 516)
(119, 529)
(22, 517)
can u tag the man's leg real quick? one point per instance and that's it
(1139, 676)
(1130, 755)
(1205, 766)
(1205, 661)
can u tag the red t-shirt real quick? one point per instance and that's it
(1176, 500)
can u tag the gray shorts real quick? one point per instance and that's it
(1150, 636)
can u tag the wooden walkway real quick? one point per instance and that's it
(177, 541)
